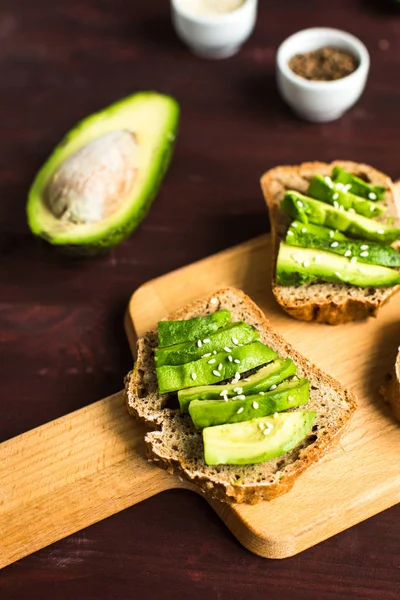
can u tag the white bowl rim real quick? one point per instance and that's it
(210, 20)
(359, 48)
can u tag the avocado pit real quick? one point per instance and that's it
(94, 181)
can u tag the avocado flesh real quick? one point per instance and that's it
(179, 354)
(246, 443)
(207, 413)
(298, 266)
(204, 372)
(322, 189)
(153, 119)
(261, 381)
(198, 328)
(357, 186)
(308, 210)
(308, 235)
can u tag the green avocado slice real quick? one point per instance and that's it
(298, 266)
(308, 235)
(177, 332)
(261, 381)
(323, 189)
(145, 123)
(213, 369)
(223, 339)
(356, 185)
(308, 210)
(289, 394)
(256, 440)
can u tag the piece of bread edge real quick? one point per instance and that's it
(236, 493)
(330, 312)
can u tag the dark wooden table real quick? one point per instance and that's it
(63, 344)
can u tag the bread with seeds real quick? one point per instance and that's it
(331, 303)
(178, 446)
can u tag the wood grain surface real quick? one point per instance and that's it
(62, 344)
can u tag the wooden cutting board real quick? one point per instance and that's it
(90, 464)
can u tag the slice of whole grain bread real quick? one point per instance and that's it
(178, 445)
(330, 303)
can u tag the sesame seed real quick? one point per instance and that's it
(306, 263)
(261, 426)
(294, 225)
(246, 379)
(240, 397)
(372, 196)
(336, 204)
(255, 404)
(346, 187)
(290, 398)
(364, 247)
(199, 343)
(234, 341)
(290, 233)
(266, 431)
(364, 254)
(303, 230)
(193, 376)
(353, 259)
(230, 358)
(334, 244)
(317, 258)
(299, 203)
(351, 210)
(339, 275)
(331, 233)
(275, 415)
(261, 393)
(347, 253)
(341, 207)
(234, 381)
(335, 196)
(237, 361)
(372, 208)
(239, 410)
(328, 180)
(224, 393)
(273, 387)
(227, 349)
(214, 301)
(237, 375)
(206, 341)
(216, 373)
(380, 231)
(214, 352)
(211, 361)
(206, 355)
(297, 257)
(219, 366)
(238, 390)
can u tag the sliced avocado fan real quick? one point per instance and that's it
(99, 182)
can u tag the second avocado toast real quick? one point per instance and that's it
(334, 264)
(300, 389)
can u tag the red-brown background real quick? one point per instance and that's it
(61, 320)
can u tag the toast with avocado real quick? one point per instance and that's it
(244, 419)
(391, 389)
(336, 240)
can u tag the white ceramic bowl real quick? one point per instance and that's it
(321, 101)
(218, 36)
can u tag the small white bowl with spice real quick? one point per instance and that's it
(214, 28)
(321, 72)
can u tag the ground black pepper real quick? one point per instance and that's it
(324, 64)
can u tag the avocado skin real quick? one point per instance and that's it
(320, 189)
(207, 413)
(297, 266)
(272, 374)
(308, 210)
(307, 235)
(245, 443)
(357, 185)
(120, 232)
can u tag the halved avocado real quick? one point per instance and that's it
(123, 150)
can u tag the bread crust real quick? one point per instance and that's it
(324, 303)
(146, 404)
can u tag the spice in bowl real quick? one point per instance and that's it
(324, 64)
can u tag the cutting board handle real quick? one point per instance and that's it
(72, 472)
